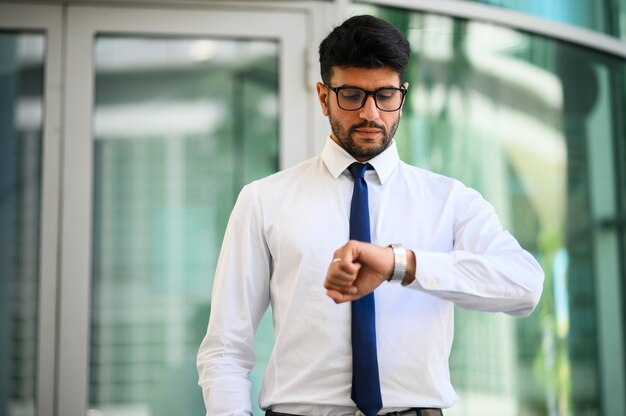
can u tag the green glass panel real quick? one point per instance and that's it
(595, 15)
(180, 126)
(515, 116)
(21, 125)
(620, 15)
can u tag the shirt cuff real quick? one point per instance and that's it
(430, 267)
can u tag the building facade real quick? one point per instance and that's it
(127, 130)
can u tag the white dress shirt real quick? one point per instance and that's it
(277, 248)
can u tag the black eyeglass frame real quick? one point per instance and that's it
(336, 90)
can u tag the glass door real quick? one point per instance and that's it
(22, 57)
(30, 79)
(169, 113)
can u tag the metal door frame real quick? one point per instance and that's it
(288, 27)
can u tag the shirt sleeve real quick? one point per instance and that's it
(487, 270)
(239, 299)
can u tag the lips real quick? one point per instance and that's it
(368, 128)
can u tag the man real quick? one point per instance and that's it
(347, 342)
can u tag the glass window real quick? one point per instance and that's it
(21, 109)
(591, 14)
(516, 116)
(180, 126)
(620, 156)
(620, 15)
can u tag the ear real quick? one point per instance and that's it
(322, 95)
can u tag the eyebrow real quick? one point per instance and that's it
(361, 88)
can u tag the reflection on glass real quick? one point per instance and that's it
(514, 115)
(21, 109)
(589, 14)
(180, 125)
(621, 17)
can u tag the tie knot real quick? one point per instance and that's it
(358, 169)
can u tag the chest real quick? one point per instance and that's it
(310, 221)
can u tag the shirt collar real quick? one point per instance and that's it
(337, 160)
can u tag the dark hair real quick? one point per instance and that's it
(364, 42)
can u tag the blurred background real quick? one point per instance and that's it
(127, 129)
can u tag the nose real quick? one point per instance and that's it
(369, 111)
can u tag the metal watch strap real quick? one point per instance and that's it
(399, 263)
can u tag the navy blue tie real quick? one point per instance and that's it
(365, 380)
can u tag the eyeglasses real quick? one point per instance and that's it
(352, 98)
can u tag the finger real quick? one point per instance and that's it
(341, 275)
(346, 288)
(348, 267)
(339, 297)
(344, 263)
(342, 270)
(341, 286)
(345, 252)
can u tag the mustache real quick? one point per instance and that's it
(368, 125)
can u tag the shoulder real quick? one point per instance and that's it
(285, 179)
(430, 179)
(422, 174)
(439, 186)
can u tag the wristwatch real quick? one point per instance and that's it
(399, 263)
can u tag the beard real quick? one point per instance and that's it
(345, 137)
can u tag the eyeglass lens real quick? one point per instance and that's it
(387, 99)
